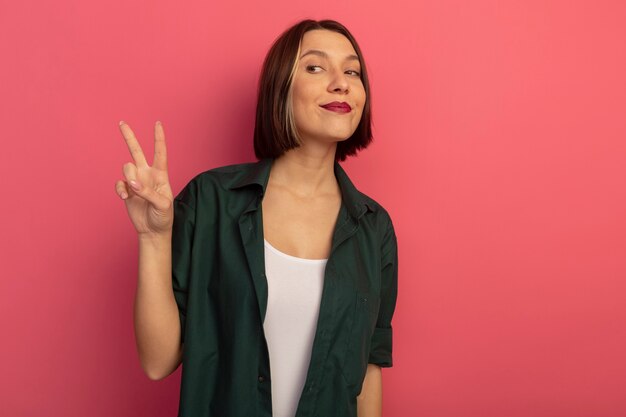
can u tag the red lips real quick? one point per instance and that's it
(340, 107)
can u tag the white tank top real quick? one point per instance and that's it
(294, 295)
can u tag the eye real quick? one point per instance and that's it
(310, 67)
(354, 72)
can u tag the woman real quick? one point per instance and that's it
(273, 282)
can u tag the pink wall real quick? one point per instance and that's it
(500, 153)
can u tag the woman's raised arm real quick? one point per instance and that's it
(148, 196)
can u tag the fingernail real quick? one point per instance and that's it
(134, 184)
(121, 122)
(158, 122)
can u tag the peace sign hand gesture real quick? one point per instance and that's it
(146, 189)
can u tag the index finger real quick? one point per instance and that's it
(133, 145)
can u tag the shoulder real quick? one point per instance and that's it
(385, 230)
(378, 228)
(380, 215)
(225, 175)
(214, 181)
(374, 206)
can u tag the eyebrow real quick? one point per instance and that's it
(325, 55)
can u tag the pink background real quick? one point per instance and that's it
(499, 152)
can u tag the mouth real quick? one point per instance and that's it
(338, 107)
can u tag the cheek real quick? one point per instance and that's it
(361, 100)
(362, 95)
(300, 110)
(297, 91)
(303, 101)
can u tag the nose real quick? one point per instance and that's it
(338, 82)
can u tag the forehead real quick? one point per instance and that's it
(333, 43)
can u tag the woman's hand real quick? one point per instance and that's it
(146, 189)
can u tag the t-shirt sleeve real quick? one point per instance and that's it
(182, 244)
(381, 342)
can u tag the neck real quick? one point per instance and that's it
(305, 173)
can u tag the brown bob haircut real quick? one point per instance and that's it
(275, 131)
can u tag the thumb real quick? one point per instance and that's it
(159, 201)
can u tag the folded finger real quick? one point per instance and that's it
(130, 174)
(121, 190)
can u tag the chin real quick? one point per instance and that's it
(343, 138)
(335, 137)
(340, 134)
(332, 135)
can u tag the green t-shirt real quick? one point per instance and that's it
(218, 277)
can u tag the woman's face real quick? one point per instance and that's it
(328, 71)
